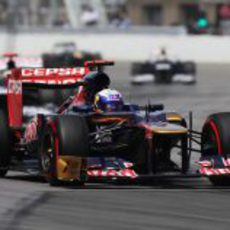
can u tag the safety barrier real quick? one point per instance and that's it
(123, 46)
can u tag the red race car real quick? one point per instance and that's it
(93, 134)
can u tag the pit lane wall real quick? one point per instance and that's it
(123, 46)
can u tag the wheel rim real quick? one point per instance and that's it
(48, 154)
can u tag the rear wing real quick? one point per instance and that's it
(18, 79)
(43, 78)
(51, 77)
(19, 62)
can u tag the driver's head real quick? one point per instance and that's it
(163, 51)
(95, 82)
(108, 100)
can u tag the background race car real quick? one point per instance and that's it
(163, 71)
(67, 55)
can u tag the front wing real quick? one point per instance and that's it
(214, 166)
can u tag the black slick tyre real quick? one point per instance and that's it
(70, 138)
(73, 135)
(216, 141)
(5, 149)
(216, 135)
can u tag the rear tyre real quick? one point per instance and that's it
(48, 157)
(4, 143)
(136, 68)
(142, 68)
(70, 138)
(216, 141)
(189, 67)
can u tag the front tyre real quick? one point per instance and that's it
(216, 135)
(64, 149)
(215, 141)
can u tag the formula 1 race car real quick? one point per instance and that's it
(79, 141)
(66, 55)
(163, 71)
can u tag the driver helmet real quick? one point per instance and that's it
(94, 83)
(108, 100)
(163, 51)
(162, 54)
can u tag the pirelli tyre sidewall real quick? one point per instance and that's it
(216, 135)
(64, 135)
(5, 149)
(215, 141)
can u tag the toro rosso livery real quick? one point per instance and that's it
(94, 133)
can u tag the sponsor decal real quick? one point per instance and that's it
(51, 81)
(205, 163)
(114, 97)
(52, 76)
(113, 173)
(14, 87)
(214, 171)
(43, 72)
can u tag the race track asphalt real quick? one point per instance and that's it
(27, 203)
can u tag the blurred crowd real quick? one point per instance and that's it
(117, 17)
(56, 13)
(197, 17)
